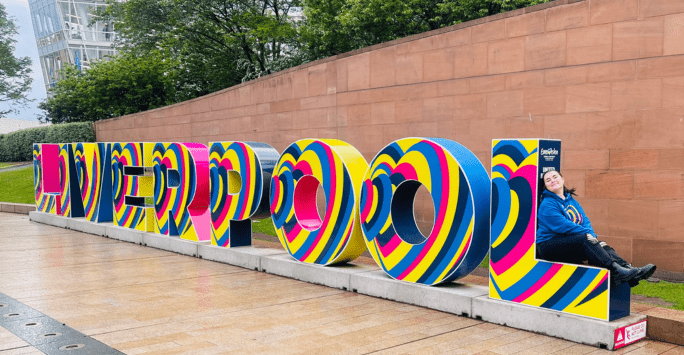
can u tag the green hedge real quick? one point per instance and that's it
(18, 146)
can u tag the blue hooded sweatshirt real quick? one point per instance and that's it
(558, 218)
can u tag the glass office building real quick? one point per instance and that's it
(69, 32)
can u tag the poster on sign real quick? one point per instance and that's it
(630, 334)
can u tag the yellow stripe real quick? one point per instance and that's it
(516, 272)
(552, 286)
(512, 218)
(443, 233)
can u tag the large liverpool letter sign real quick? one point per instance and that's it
(212, 195)
(516, 275)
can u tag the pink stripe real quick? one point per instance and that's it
(407, 170)
(540, 283)
(303, 166)
(390, 246)
(333, 194)
(599, 284)
(446, 188)
(123, 183)
(425, 248)
(528, 238)
(276, 194)
(517, 253)
(293, 233)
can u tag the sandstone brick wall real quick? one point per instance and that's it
(604, 76)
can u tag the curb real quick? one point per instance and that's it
(20, 208)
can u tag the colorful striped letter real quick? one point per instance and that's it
(459, 186)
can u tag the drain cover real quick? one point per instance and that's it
(49, 335)
(71, 347)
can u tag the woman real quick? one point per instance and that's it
(564, 234)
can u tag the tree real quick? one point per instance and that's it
(15, 80)
(126, 84)
(338, 26)
(219, 43)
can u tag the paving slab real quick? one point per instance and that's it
(455, 298)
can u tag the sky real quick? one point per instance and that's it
(26, 46)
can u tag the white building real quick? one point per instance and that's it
(65, 35)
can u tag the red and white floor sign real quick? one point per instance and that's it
(629, 334)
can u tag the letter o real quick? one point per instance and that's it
(338, 168)
(460, 190)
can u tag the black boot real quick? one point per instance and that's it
(620, 274)
(633, 282)
(643, 273)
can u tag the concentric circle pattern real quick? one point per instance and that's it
(44, 202)
(126, 154)
(339, 169)
(459, 186)
(64, 198)
(89, 158)
(174, 189)
(236, 177)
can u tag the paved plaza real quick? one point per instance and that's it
(141, 300)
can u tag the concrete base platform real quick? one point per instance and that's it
(85, 226)
(539, 320)
(124, 234)
(50, 219)
(460, 299)
(338, 276)
(174, 244)
(247, 257)
(453, 297)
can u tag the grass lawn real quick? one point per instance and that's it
(264, 226)
(666, 291)
(17, 186)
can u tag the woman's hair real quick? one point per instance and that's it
(565, 189)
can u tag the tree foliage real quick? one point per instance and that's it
(128, 84)
(18, 146)
(220, 42)
(15, 80)
(337, 26)
(175, 50)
